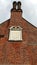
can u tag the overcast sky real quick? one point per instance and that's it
(29, 8)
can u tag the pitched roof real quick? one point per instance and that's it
(28, 28)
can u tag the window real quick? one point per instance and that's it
(15, 33)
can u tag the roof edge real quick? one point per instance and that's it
(29, 23)
(5, 21)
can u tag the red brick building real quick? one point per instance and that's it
(18, 39)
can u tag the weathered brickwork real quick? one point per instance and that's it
(21, 52)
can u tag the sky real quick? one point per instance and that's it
(29, 8)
